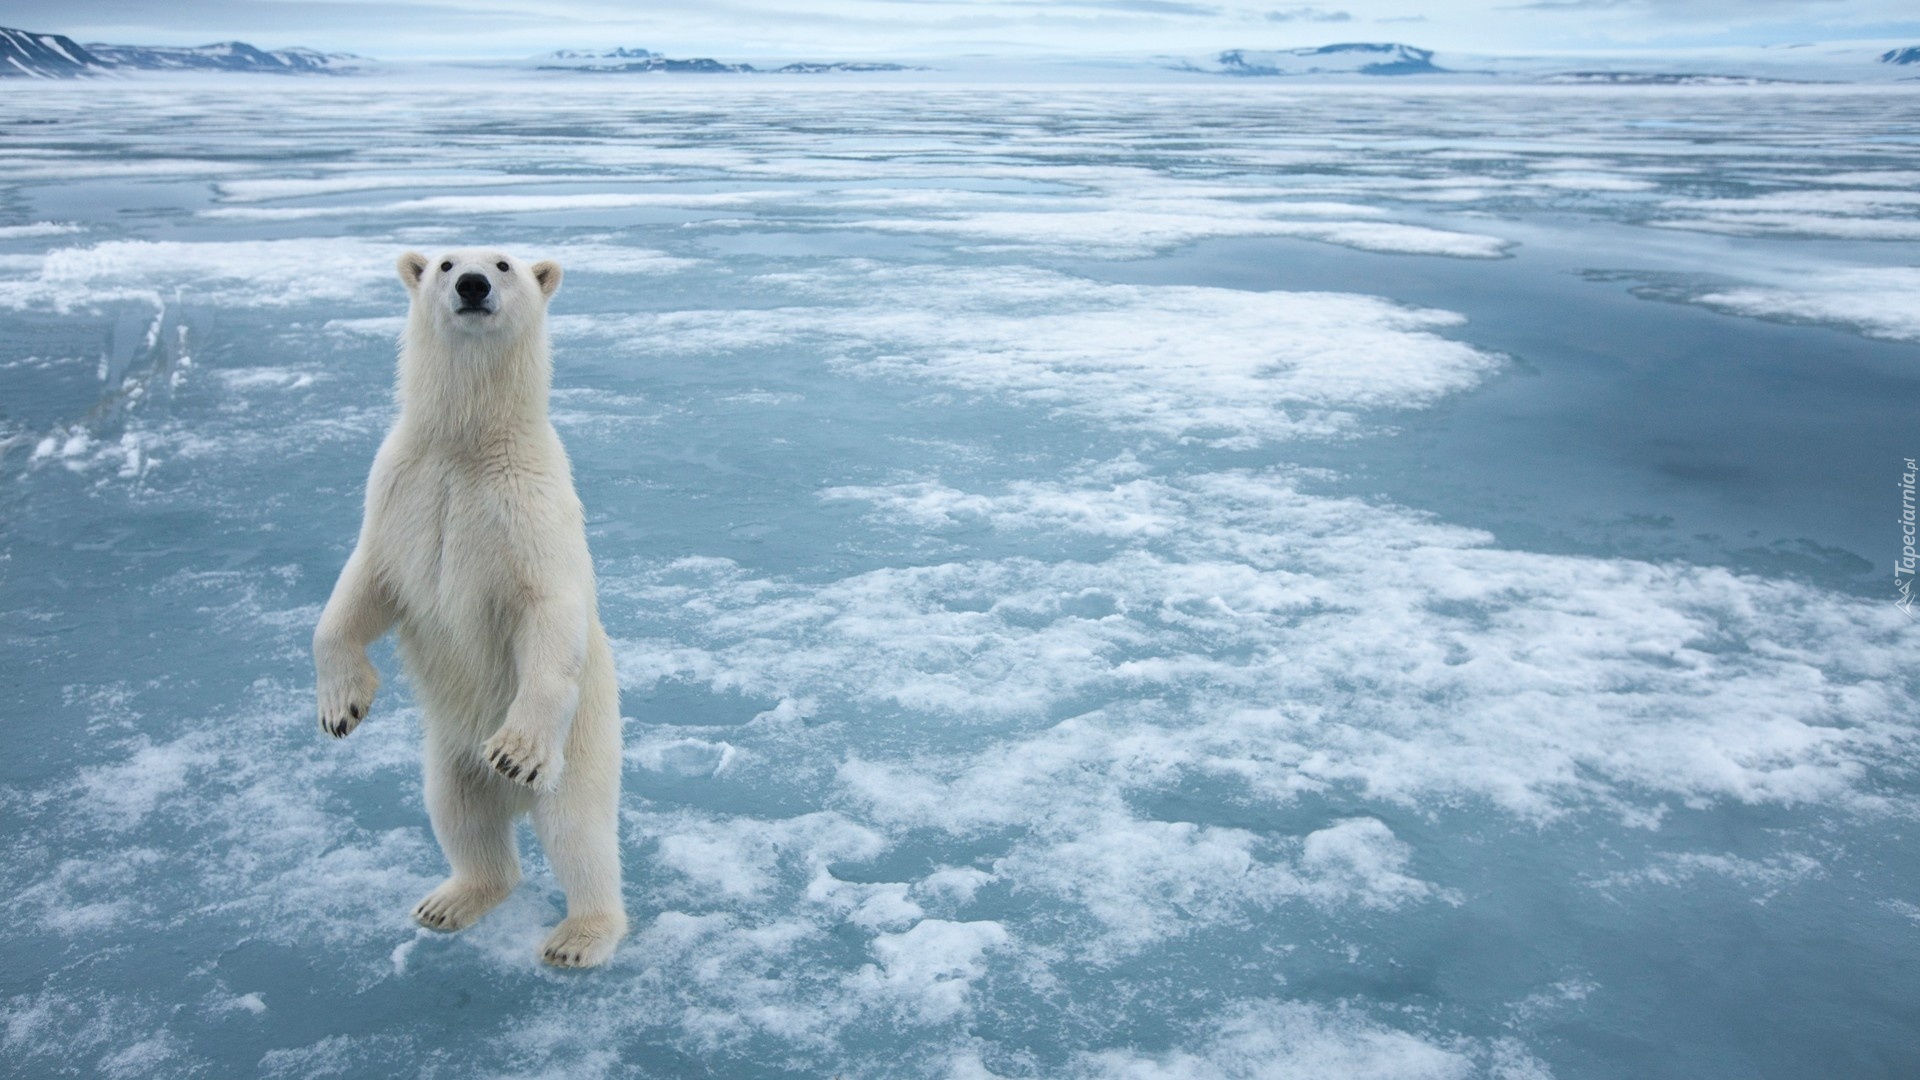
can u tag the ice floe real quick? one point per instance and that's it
(1219, 365)
(1878, 301)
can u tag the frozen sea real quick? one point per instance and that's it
(1214, 579)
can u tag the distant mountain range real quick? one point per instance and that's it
(629, 61)
(25, 54)
(1655, 78)
(603, 54)
(224, 56)
(1353, 58)
(1832, 62)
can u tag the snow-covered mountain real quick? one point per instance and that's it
(1825, 62)
(1654, 78)
(24, 54)
(224, 56)
(618, 61)
(1349, 58)
(625, 61)
(813, 68)
(1726, 66)
(600, 54)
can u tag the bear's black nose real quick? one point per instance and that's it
(473, 288)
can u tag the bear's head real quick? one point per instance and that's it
(479, 292)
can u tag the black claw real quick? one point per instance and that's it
(355, 710)
(531, 775)
(514, 773)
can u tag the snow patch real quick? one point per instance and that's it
(1876, 301)
(927, 971)
(1224, 366)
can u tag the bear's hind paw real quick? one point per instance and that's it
(456, 904)
(584, 941)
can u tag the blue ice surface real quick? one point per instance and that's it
(1181, 581)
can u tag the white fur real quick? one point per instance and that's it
(475, 547)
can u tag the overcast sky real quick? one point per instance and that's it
(835, 29)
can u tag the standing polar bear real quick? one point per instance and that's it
(474, 545)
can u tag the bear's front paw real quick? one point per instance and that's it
(523, 759)
(346, 696)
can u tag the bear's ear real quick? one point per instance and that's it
(547, 273)
(413, 267)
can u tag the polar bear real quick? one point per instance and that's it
(474, 545)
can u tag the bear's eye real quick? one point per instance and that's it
(446, 266)
(502, 266)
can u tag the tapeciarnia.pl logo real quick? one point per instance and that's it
(1903, 567)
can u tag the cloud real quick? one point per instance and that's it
(1571, 5)
(1686, 9)
(1308, 14)
(1144, 7)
